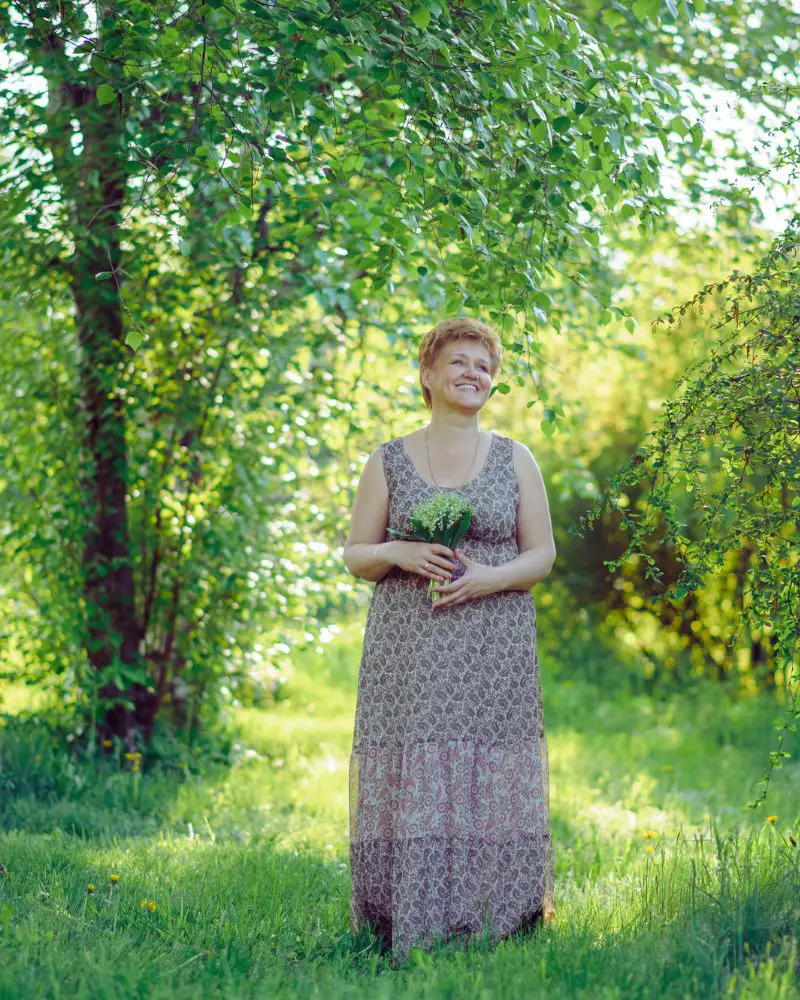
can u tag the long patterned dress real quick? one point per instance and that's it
(448, 780)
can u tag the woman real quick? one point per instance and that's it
(449, 804)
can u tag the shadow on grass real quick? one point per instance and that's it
(272, 919)
(49, 785)
(237, 913)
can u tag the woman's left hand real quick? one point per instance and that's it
(478, 580)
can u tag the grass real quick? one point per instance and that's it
(247, 866)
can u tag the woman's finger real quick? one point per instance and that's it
(451, 599)
(444, 570)
(451, 589)
(440, 563)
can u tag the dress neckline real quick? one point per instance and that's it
(464, 486)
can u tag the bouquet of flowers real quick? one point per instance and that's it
(444, 519)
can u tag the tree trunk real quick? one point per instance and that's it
(93, 188)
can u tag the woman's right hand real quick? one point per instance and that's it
(428, 559)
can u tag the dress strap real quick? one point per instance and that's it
(505, 449)
(505, 458)
(391, 457)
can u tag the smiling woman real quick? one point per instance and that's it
(449, 803)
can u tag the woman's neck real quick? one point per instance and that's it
(453, 431)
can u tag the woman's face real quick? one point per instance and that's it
(460, 375)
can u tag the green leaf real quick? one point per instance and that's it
(410, 537)
(598, 135)
(664, 87)
(461, 529)
(421, 16)
(333, 61)
(105, 94)
(679, 125)
(538, 109)
(134, 339)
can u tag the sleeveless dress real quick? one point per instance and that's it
(448, 774)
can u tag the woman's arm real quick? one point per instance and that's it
(537, 548)
(365, 553)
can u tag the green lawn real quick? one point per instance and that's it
(247, 867)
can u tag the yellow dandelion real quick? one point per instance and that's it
(142, 904)
(649, 848)
(107, 743)
(151, 905)
(114, 879)
(651, 833)
(771, 819)
(133, 756)
(89, 889)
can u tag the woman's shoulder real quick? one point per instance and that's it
(400, 442)
(390, 444)
(509, 443)
(389, 452)
(515, 443)
(517, 452)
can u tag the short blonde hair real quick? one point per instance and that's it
(457, 328)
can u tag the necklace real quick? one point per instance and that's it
(427, 453)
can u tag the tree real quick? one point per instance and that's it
(241, 160)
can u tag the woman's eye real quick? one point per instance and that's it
(458, 361)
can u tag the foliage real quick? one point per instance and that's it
(202, 206)
(723, 468)
(609, 394)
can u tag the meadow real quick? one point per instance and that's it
(232, 880)
(215, 301)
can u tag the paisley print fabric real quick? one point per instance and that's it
(448, 780)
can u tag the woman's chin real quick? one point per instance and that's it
(471, 400)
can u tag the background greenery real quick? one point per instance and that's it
(224, 229)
